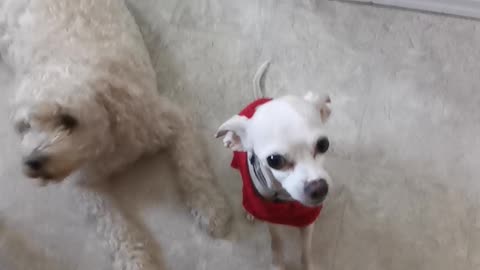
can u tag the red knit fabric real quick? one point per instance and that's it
(285, 213)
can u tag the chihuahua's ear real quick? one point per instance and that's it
(234, 133)
(322, 102)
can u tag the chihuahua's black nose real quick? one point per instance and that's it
(317, 189)
(35, 162)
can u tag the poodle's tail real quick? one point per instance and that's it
(258, 80)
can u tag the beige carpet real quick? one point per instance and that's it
(405, 133)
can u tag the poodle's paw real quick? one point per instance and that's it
(143, 266)
(135, 259)
(216, 221)
(135, 265)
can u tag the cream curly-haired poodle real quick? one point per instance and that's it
(86, 106)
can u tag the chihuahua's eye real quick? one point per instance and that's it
(68, 122)
(22, 127)
(276, 162)
(322, 145)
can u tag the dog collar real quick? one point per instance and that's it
(264, 182)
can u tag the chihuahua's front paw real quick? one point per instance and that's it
(248, 217)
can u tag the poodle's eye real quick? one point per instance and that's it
(322, 145)
(276, 162)
(68, 122)
(22, 127)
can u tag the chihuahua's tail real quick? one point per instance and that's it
(259, 79)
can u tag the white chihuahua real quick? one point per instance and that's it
(279, 148)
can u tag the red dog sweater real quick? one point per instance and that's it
(290, 213)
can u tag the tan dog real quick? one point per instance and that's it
(86, 106)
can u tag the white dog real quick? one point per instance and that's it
(280, 147)
(86, 106)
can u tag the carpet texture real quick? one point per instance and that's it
(404, 132)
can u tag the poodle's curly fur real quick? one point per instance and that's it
(86, 106)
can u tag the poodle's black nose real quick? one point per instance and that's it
(35, 162)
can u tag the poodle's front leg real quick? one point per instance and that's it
(201, 191)
(174, 131)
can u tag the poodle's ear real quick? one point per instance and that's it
(234, 133)
(322, 103)
(110, 99)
